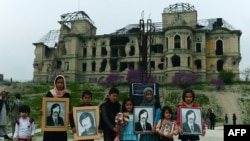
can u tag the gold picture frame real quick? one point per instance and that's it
(86, 117)
(61, 105)
(191, 121)
(143, 112)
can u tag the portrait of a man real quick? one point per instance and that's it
(167, 128)
(142, 124)
(190, 125)
(54, 119)
(86, 124)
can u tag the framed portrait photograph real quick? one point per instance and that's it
(191, 121)
(143, 118)
(55, 114)
(166, 127)
(86, 121)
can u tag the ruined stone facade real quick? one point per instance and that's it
(180, 43)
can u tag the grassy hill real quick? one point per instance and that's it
(206, 95)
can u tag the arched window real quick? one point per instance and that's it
(188, 43)
(177, 41)
(176, 61)
(219, 47)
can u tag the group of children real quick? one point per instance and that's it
(111, 107)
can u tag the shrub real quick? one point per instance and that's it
(184, 79)
(111, 80)
(218, 83)
(134, 76)
(227, 76)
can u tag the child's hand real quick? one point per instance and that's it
(100, 131)
(29, 138)
(180, 131)
(115, 129)
(203, 132)
(73, 130)
(41, 112)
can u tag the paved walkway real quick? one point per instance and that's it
(211, 135)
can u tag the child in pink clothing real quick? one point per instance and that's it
(188, 98)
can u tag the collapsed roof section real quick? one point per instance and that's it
(134, 28)
(75, 16)
(179, 8)
(50, 39)
(209, 24)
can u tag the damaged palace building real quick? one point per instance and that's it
(180, 42)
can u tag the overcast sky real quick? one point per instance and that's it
(24, 22)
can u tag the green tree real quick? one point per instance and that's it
(227, 76)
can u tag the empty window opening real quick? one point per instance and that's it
(177, 41)
(132, 51)
(93, 65)
(104, 51)
(123, 66)
(84, 67)
(176, 61)
(198, 47)
(219, 47)
(161, 66)
(152, 65)
(103, 65)
(93, 51)
(84, 52)
(188, 43)
(114, 52)
(158, 48)
(198, 64)
(188, 61)
(234, 63)
(162, 59)
(122, 52)
(58, 64)
(166, 62)
(113, 64)
(131, 65)
(219, 65)
(167, 43)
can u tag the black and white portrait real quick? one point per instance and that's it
(167, 128)
(55, 114)
(86, 119)
(86, 123)
(191, 121)
(143, 118)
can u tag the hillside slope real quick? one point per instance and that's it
(227, 100)
(229, 103)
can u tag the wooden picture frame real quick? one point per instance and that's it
(145, 113)
(58, 104)
(189, 116)
(167, 127)
(89, 117)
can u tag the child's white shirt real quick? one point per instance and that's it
(25, 128)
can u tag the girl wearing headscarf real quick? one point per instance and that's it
(59, 91)
(149, 100)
